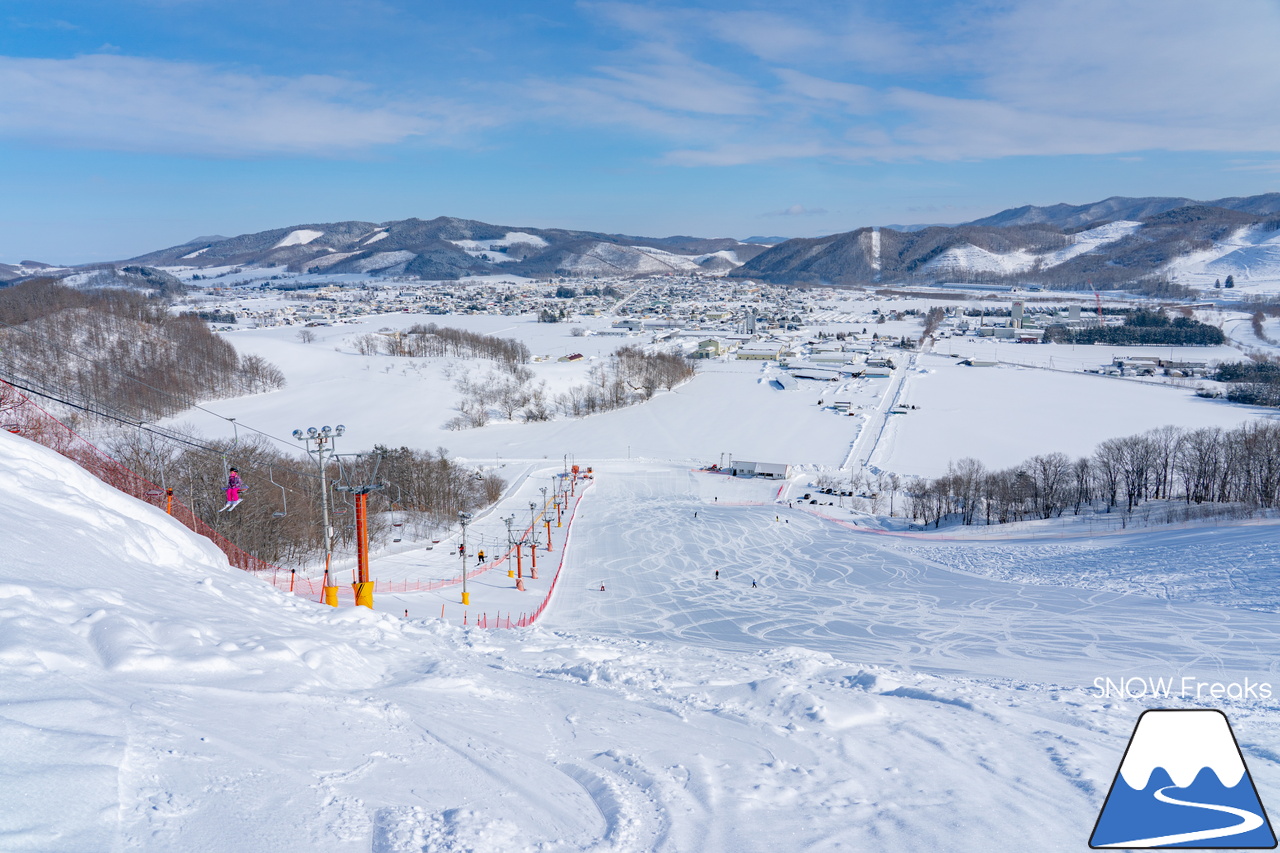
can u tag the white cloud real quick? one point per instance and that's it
(985, 80)
(854, 98)
(667, 79)
(135, 104)
(1149, 60)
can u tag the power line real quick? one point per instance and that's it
(84, 404)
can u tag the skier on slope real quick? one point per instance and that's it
(234, 484)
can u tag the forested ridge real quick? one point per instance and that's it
(121, 349)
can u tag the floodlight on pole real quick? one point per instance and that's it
(464, 518)
(323, 441)
(546, 515)
(508, 521)
(533, 539)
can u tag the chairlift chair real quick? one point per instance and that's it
(284, 498)
(397, 527)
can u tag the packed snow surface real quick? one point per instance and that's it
(298, 238)
(1003, 415)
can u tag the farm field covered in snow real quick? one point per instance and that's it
(875, 689)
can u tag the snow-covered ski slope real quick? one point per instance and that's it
(156, 699)
(864, 596)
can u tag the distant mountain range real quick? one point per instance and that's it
(1113, 242)
(1116, 208)
(448, 248)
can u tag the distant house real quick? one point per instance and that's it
(805, 371)
(710, 348)
(577, 356)
(760, 352)
(767, 470)
(829, 357)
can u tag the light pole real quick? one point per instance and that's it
(546, 515)
(533, 539)
(518, 546)
(464, 518)
(323, 439)
(507, 521)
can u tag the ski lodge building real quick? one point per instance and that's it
(767, 470)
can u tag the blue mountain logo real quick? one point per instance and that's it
(1183, 783)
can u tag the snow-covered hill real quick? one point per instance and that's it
(1192, 242)
(448, 248)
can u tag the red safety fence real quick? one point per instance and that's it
(524, 619)
(18, 414)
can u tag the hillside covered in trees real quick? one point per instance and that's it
(120, 349)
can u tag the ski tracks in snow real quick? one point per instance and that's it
(863, 598)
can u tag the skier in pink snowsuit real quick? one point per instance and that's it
(234, 484)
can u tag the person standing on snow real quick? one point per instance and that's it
(234, 484)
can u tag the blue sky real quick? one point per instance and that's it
(136, 124)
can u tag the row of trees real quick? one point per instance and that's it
(280, 519)
(422, 341)
(510, 393)
(1142, 327)
(1255, 383)
(122, 349)
(1207, 465)
(630, 375)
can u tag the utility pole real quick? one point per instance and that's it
(323, 439)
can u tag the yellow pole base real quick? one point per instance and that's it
(511, 573)
(466, 598)
(331, 596)
(364, 594)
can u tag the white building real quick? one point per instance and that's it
(767, 470)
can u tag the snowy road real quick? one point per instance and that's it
(827, 588)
